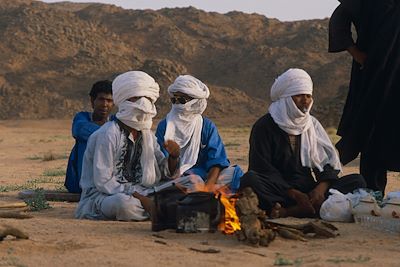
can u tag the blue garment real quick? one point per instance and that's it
(212, 151)
(82, 128)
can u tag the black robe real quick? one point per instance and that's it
(370, 116)
(274, 167)
(271, 154)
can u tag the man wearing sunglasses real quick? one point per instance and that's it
(203, 161)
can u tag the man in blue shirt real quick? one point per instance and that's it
(84, 124)
(203, 162)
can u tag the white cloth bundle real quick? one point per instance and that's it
(184, 121)
(316, 148)
(139, 115)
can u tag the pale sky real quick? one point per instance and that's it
(285, 10)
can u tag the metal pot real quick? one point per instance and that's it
(198, 212)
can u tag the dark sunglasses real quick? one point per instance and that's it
(180, 99)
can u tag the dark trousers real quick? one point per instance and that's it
(270, 192)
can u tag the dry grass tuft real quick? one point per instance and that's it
(48, 156)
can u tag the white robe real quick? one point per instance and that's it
(99, 182)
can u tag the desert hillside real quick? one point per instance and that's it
(50, 54)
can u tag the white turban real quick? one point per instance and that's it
(139, 115)
(290, 83)
(189, 85)
(316, 148)
(184, 121)
(134, 83)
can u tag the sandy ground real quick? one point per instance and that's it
(57, 239)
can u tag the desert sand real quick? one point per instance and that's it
(57, 239)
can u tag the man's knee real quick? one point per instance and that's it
(123, 207)
(121, 202)
(349, 183)
(195, 179)
(129, 209)
(249, 179)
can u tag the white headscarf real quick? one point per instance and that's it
(316, 148)
(184, 121)
(139, 115)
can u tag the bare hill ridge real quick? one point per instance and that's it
(50, 54)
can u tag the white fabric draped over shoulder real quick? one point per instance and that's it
(139, 115)
(184, 121)
(316, 148)
(99, 178)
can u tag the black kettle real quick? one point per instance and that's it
(198, 212)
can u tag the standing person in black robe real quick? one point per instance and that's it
(288, 146)
(368, 124)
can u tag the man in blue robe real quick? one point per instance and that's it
(84, 124)
(203, 161)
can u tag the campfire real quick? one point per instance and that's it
(229, 213)
(196, 212)
(230, 221)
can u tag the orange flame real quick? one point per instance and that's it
(230, 222)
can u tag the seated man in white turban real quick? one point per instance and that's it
(292, 162)
(122, 159)
(203, 159)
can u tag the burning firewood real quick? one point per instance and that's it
(317, 228)
(251, 218)
(257, 229)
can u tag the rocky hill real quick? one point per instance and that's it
(50, 54)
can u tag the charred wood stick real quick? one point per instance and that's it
(272, 223)
(321, 228)
(306, 228)
(14, 215)
(303, 228)
(255, 253)
(329, 225)
(294, 231)
(158, 236)
(9, 230)
(323, 231)
(13, 205)
(15, 209)
(290, 235)
(51, 195)
(160, 242)
(208, 250)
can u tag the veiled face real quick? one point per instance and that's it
(302, 101)
(180, 98)
(136, 98)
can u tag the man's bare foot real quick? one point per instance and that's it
(300, 211)
(278, 211)
(303, 208)
(147, 203)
